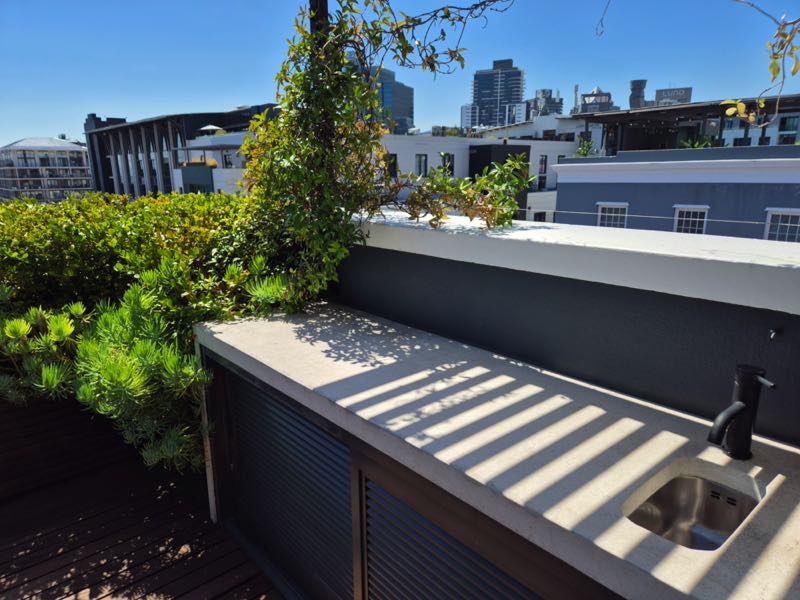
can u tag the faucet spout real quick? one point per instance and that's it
(733, 427)
(723, 421)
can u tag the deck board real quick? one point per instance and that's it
(106, 527)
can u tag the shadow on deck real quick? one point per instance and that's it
(117, 530)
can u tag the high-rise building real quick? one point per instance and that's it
(515, 113)
(45, 169)
(397, 100)
(469, 116)
(495, 90)
(544, 103)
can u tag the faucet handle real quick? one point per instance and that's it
(765, 382)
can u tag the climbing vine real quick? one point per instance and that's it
(318, 169)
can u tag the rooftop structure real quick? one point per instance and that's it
(45, 169)
(664, 97)
(140, 157)
(596, 101)
(545, 103)
(667, 127)
(672, 96)
(636, 99)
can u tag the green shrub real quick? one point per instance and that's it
(129, 371)
(92, 247)
(37, 350)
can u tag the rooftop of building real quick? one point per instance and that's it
(111, 123)
(732, 153)
(705, 109)
(42, 143)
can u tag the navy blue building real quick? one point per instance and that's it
(742, 192)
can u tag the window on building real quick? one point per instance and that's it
(560, 156)
(789, 123)
(421, 164)
(745, 141)
(27, 158)
(783, 225)
(227, 159)
(540, 216)
(391, 164)
(690, 219)
(612, 214)
(542, 164)
(448, 162)
(787, 138)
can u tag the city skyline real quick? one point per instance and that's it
(170, 65)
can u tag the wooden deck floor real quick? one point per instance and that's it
(120, 532)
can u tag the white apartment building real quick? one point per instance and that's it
(44, 169)
(781, 130)
(419, 154)
(213, 163)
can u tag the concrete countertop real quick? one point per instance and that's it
(551, 458)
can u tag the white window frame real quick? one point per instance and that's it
(704, 208)
(773, 210)
(601, 205)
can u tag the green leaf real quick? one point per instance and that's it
(60, 327)
(54, 381)
(17, 329)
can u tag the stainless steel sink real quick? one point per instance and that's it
(694, 512)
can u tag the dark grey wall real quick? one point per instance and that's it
(676, 351)
(728, 202)
(197, 178)
(481, 157)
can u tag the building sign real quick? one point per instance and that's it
(673, 96)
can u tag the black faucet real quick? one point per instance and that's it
(733, 427)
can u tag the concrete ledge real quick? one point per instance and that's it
(745, 272)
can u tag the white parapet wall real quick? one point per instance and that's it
(746, 272)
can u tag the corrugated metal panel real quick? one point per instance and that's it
(293, 492)
(410, 557)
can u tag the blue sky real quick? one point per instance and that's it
(62, 60)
